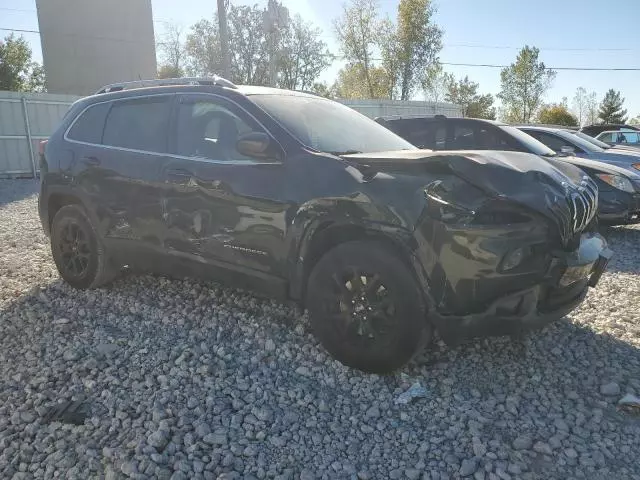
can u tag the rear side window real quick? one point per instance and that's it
(139, 124)
(553, 142)
(420, 132)
(89, 126)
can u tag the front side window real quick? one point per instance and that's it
(606, 137)
(207, 129)
(89, 126)
(329, 126)
(139, 124)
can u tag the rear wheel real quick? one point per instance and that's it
(77, 251)
(366, 308)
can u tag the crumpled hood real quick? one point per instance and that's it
(543, 185)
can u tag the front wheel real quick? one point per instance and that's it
(366, 307)
(77, 251)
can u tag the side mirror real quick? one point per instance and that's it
(254, 144)
(567, 150)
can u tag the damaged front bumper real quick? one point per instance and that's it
(564, 287)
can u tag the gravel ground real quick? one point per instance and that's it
(185, 379)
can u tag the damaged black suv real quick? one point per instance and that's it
(300, 197)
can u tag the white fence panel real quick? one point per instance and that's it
(25, 120)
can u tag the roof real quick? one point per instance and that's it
(387, 118)
(257, 90)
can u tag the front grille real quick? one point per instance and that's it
(583, 203)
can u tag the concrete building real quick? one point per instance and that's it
(90, 43)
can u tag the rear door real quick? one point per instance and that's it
(120, 167)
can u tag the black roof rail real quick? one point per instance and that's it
(215, 80)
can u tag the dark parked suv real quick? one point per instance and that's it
(303, 198)
(619, 189)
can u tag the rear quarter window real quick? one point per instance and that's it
(89, 125)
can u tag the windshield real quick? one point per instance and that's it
(591, 140)
(329, 126)
(577, 141)
(530, 143)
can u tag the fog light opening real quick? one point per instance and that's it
(515, 258)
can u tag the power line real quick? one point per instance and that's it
(484, 65)
(578, 69)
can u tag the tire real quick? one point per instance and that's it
(77, 251)
(381, 328)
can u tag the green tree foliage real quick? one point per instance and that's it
(304, 56)
(524, 84)
(170, 71)
(350, 83)
(171, 52)
(17, 70)
(409, 46)
(611, 110)
(358, 32)
(322, 89)
(557, 114)
(435, 83)
(465, 93)
(300, 55)
(419, 42)
(635, 121)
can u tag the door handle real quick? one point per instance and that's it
(91, 161)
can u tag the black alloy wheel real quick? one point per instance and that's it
(366, 308)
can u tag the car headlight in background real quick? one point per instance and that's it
(617, 181)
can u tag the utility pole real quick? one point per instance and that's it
(272, 19)
(224, 39)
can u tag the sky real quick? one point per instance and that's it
(569, 33)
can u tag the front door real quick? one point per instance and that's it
(223, 207)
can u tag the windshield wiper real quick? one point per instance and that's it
(346, 152)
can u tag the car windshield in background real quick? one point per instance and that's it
(533, 145)
(329, 126)
(580, 142)
(591, 140)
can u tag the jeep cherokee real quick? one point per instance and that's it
(300, 197)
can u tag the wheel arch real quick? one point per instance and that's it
(324, 236)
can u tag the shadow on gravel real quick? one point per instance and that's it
(12, 190)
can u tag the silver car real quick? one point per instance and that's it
(572, 143)
(629, 138)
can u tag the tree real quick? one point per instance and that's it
(169, 71)
(635, 121)
(580, 105)
(322, 89)
(465, 93)
(171, 52)
(203, 49)
(389, 51)
(557, 114)
(435, 83)
(358, 31)
(304, 56)
(248, 45)
(352, 83)
(17, 71)
(592, 108)
(419, 42)
(524, 84)
(611, 110)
